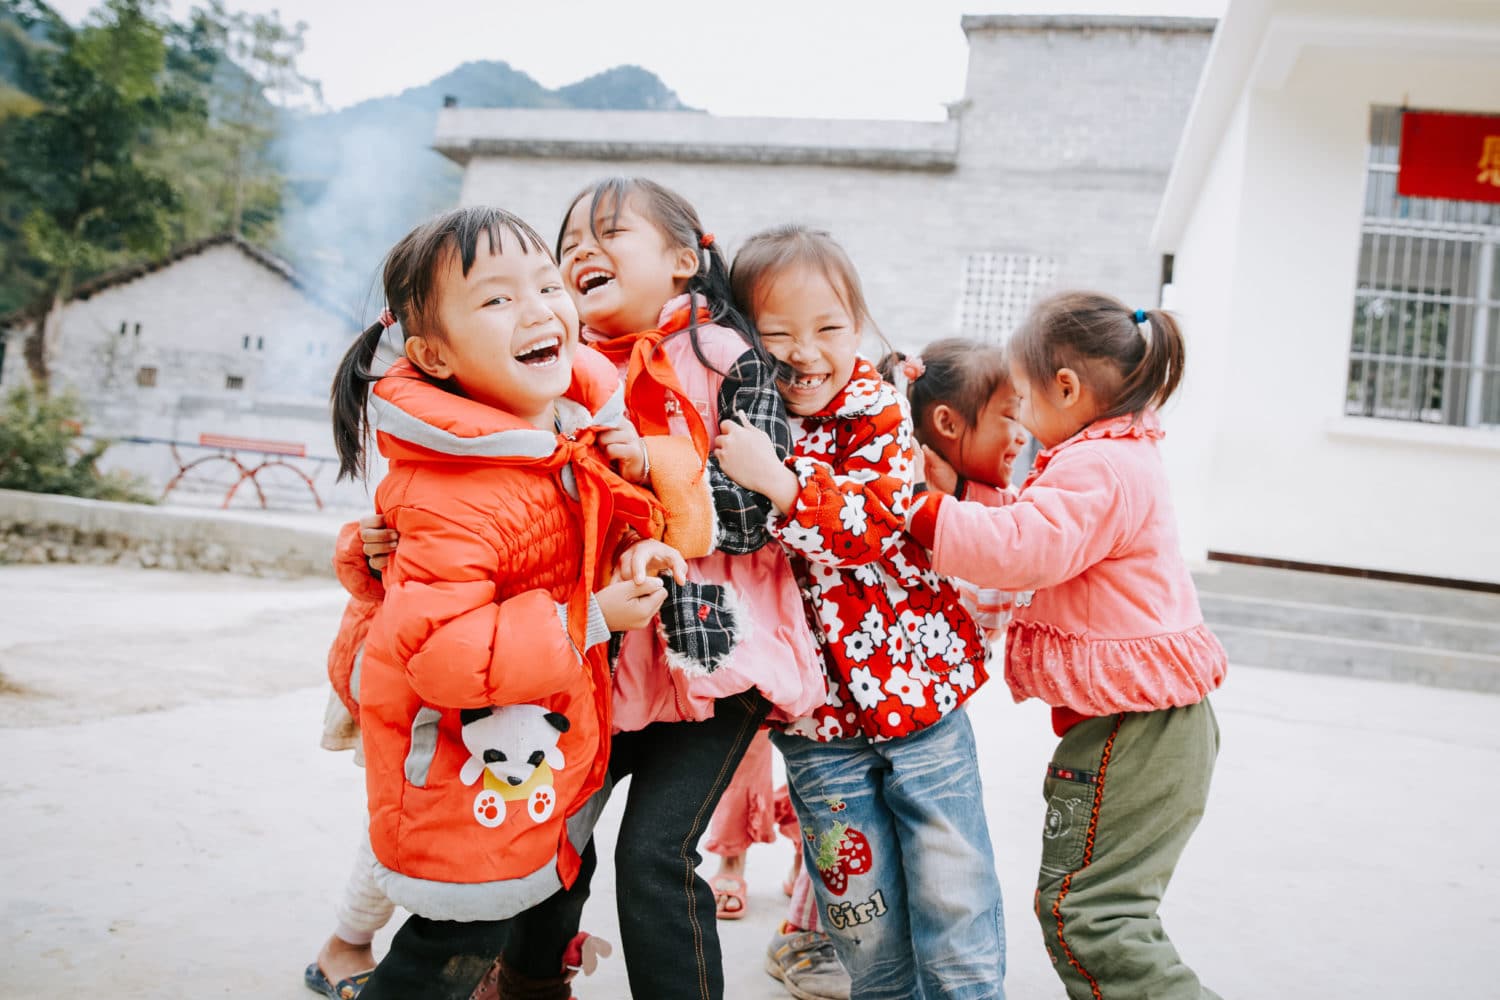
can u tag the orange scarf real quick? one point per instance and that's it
(651, 386)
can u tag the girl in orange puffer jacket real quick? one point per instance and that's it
(732, 646)
(484, 689)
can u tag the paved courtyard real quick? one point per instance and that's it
(171, 829)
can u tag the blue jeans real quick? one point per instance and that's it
(906, 885)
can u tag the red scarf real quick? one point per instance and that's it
(651, 385)
(606, 499)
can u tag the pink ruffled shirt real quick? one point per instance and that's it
(1111, 622)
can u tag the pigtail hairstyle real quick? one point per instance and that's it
(954, 371)
(409, 279)
(1156, 378)
(678, 221)
(347, 399)
(1130, 359)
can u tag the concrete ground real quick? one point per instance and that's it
(171, 829)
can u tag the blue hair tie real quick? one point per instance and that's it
(1140, 316)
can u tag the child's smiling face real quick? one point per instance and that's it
(508, 331)
(805, 323)
(987, 449)
(619, 268)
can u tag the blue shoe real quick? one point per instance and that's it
(344, 989)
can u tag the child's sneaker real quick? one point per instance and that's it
(807, 965)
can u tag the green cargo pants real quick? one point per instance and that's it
(1124, 793)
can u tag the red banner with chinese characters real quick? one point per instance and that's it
(1449, 156)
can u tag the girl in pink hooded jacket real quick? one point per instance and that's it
(1106, 629)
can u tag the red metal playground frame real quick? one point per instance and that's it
(228, 448)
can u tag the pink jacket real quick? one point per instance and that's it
(777, 654)
(1113, 624)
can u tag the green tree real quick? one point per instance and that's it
(42, 450)
(245, 67)
(21, 34)
(86, 195)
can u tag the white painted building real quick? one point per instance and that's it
(1047, 173)
(1342, 400)
(218, 338)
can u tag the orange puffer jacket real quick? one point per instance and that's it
(484, 687)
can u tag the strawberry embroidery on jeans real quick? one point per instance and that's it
(843, 852)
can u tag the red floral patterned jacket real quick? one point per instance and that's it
(899, 648)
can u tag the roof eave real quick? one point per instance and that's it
(1258, 46)
(1084, 22)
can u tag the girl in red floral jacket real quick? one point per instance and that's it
(884, 775)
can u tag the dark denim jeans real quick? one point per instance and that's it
(445, 959)
(678, 772)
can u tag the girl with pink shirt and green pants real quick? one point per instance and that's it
(1106, 629)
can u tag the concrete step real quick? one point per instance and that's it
(1332, 621)
(1354, 627)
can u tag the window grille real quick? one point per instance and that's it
(234, 382)
(998, 289)
(145, 377)
(1426, 340)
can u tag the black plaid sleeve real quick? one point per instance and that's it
(749, 388)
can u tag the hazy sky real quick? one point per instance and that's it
(813, 58)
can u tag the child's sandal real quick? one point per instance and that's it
(730, 894)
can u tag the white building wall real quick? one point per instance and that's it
(1291, 477)
(1066, 136)
(194, 315)
(1203, 296)
(895, 224)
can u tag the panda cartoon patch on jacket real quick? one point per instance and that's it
(515, 748)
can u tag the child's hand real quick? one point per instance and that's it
(628, 604)
(941, 476)
(747, 455)
(648, 558)
(379, 541)
(623, 446)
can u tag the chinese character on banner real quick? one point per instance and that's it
(1451, 156)
(1489, 162)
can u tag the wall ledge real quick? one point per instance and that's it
(1483, 440)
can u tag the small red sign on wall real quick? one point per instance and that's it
(1449, 156)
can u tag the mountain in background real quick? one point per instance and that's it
(361, 177)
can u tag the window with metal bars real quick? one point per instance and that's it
(1426, 340)
(997, 290)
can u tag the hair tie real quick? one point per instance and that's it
(387, 318)
(913, 367)
(1143, 326)
(707, 240)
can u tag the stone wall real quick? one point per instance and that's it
(40, 528)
